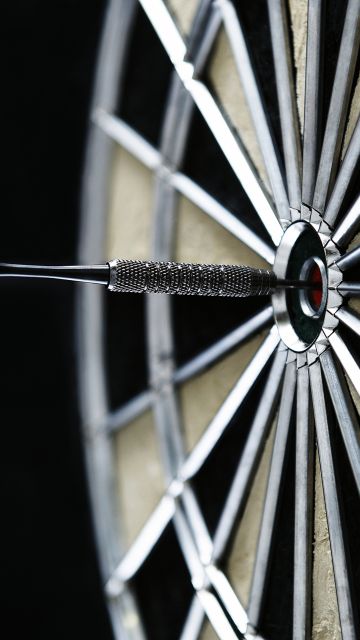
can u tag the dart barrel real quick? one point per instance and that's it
(225, 280)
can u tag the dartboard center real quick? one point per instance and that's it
(299, 313)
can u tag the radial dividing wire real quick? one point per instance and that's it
(136, 276)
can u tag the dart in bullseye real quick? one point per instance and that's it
(135, 276)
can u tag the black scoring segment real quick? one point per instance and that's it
(200, 322)
(163, 589)
(125, 347)
(277, 611)
(146, 81)
(254, 19)
(352, 341)
(349, 502)
(334, 16)
(211, 170)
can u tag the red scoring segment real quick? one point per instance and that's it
(315, 295)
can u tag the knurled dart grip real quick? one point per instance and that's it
(136, 276)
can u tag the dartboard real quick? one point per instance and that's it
(222, 435)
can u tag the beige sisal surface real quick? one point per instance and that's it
(242, 556)
(201, 397)
(201, 239)
(298, 23)
(130, 206)
(231, 95)
(207, 632)
(140, 480)
(183, 12)
(353, 116)
(326, 624)
(355, 242)
(354, 304)
(354, 394)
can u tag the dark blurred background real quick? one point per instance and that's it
(50, 581)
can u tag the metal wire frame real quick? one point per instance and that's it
(178, 504)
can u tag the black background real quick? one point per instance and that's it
(49, 576)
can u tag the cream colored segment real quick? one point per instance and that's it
(207, 632)
(130, 206)
(354, 394)
(355, 242)
(298, 18)
(226, 82)
(326, 625)
(242, 556)
(354, 303)
(353, 116)
(140, 480)
(201, 397)
(201, 239)
(183, 12)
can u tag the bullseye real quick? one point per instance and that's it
(299, 313)
(316, 294)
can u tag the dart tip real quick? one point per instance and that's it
(298, 284)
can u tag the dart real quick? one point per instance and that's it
(135, 276)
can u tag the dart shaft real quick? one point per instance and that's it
(96, 274)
